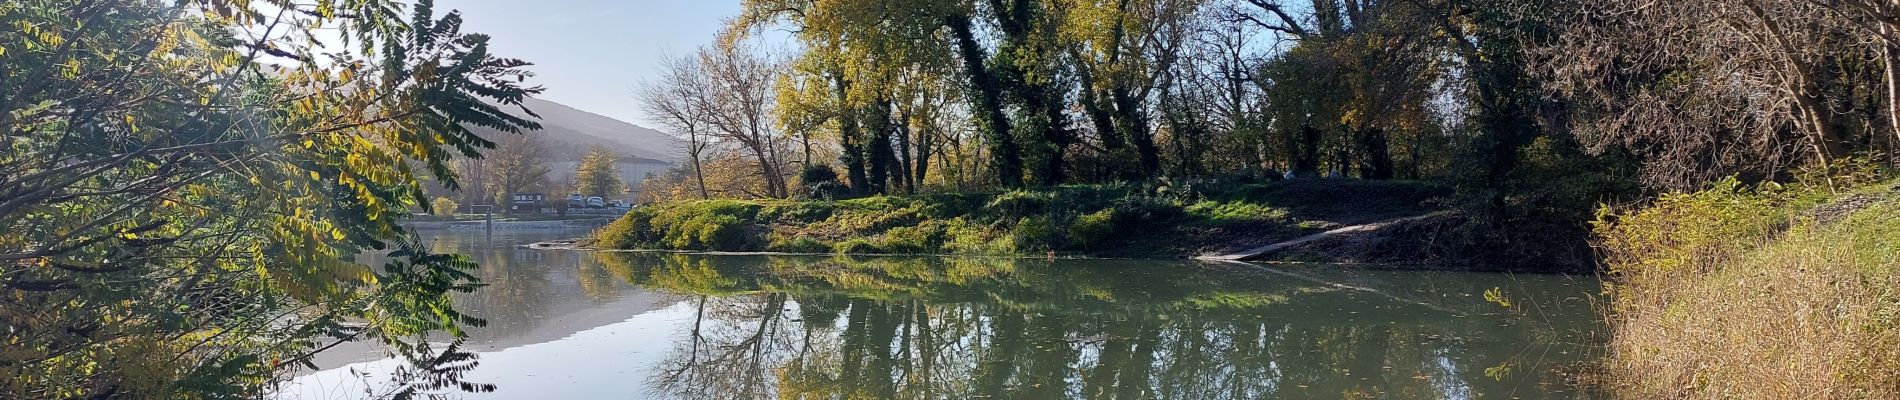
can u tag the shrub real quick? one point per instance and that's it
(820, 182)
(1741, 292)
(1036, 233)
(856, 246)
(961, 237)
(716, 232)
(1018, 204)
(696, 225)
(1094, 229)
(631, 231)
(443, 206)
(912, 239)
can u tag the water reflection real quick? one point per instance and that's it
(993, 328)
(649, 325)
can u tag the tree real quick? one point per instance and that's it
(680, 100)
(1121, 49)
(1745, 87)
(519, 165)
(598, 173)
(740, 106)
(187, 185)
(443, 206)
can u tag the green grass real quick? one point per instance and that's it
(1104, 220)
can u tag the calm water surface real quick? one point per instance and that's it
(566, 324)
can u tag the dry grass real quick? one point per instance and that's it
(1741, 294)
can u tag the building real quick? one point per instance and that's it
(526, 202)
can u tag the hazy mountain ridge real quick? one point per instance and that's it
(571, 131)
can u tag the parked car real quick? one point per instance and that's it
(596, 202)
(576, 201)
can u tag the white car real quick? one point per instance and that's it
(596, 202)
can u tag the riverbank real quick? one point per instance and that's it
(1746, 292)
(1080, 220)
(504, 224)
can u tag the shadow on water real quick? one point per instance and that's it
(661, 325)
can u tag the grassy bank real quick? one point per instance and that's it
(1766, 292)
(1095, 220)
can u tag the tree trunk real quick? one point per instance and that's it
(903, 131)
(988, 104)
(878, 147)
(1890, 54)
(699, 176)
(925, 140)
(1375, 154)
(1134, 126)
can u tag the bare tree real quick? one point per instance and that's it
(740, 106)
(680, 101)
(1713, 87)
(520, 164)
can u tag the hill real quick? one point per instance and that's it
(572, 131)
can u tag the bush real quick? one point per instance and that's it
(724, 225)
(1018, 204)
(1036, 233)
(1094, 229)
(820, 182)
(911, 240)
(443, 206)
(1743, 292)
(631, 231)
(857, 246)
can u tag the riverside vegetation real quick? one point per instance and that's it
(1113, 220)
(1758, 291)
(187, 187)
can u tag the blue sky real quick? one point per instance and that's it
(591, 54)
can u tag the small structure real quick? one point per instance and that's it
(525, 202)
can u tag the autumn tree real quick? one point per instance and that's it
(598, 173)
(186, 187)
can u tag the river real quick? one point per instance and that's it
(572, 324)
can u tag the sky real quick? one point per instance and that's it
(592, 54)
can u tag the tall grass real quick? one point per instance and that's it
(1742, 292)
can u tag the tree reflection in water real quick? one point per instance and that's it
(805, 327)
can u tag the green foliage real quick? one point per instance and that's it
(801, 212)
(175, 189)
(1090, 219)
(1759, 263)
(1094, 229)
(598, 174)
(1034, 234)
(1230, 211)
(632, 231)
(1679, 230)
(707, 225)
(820, 182)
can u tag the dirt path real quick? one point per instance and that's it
(1261, 251)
